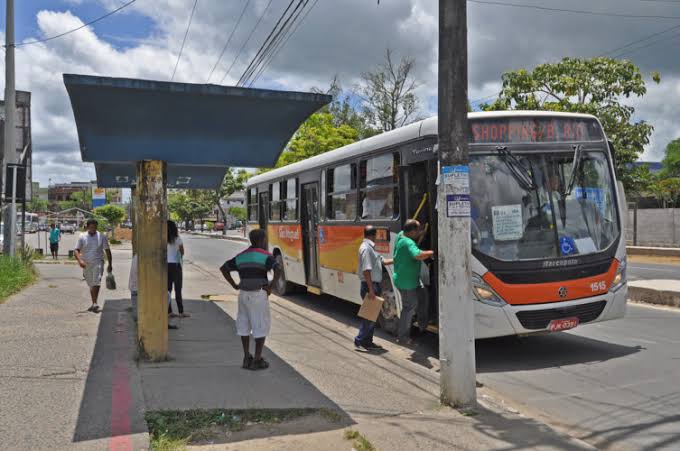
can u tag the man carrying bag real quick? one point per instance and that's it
(370, 275)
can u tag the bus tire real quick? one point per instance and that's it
(282, 287)
(388, 319)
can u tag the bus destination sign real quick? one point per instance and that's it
(533, 130)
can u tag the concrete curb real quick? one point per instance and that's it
(221, 237)
(653, 251)
(652, 296)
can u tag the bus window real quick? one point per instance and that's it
(342, 196)
(252, 204)
(379, 183)
(275, 204)
(290, 208)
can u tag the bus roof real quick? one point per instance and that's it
(426, 127)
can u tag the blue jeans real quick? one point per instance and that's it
(367, 327)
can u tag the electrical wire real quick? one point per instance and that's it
(243, 46)
(574, 11)
(266, 42)
(283, 44)
(186, 33)
(243, 11)
(110, 13)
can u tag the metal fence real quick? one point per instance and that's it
(653, 226)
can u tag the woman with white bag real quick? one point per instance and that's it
(175, 255)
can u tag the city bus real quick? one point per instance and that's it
(547, 216)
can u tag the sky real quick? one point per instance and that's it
(337, 38)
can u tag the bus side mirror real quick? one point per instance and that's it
(612, 152)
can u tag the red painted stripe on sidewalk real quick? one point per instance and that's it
(121, 396)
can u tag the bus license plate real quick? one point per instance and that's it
(557, 325)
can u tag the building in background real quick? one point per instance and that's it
(60, 192)
(23, 136)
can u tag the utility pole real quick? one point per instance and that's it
(456, 308)
(10, 149)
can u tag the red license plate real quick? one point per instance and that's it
(557, 325)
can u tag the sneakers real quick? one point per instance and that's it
(367, 346)
(94, 308)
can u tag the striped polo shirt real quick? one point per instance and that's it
(252, 265)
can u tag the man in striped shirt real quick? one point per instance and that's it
(253, 315)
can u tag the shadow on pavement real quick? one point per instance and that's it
(204, 372)
(112, 403)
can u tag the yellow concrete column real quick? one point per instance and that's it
(152, 237)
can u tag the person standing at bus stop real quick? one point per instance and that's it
(253, 316)
(370, 275)
(55, 237)
(407, 260)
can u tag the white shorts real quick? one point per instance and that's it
(93, 274)
(253, 315)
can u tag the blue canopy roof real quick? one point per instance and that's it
(199, 130)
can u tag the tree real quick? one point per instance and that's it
(579, 85)
(190, 205)
(671, 161)
(233, 181)
(82, 199)
(639, 179)
(37, 205)
(346, 111)
(668, 190)
(113, 214)
(388, 93)
(238, 212)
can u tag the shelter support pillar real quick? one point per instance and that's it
(151, 215)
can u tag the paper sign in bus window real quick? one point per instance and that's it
(507, 222)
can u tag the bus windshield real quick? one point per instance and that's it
(515, 220)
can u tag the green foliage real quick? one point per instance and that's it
(15, 274)
(113, 214)
(190, 205)
(671, 161)
(82, 199)
(637, 180)
(210, 226)
(667, 190)
(37, 205)
(579, 85)
(238, 212)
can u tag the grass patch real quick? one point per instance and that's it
(115, 241)
(360, 443)
(15, 274)
(178, 428)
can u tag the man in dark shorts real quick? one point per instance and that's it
(253, 316)
(55, 237)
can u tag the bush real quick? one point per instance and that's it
(210, 226)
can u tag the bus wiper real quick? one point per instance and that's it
(521, 174)
(575, 167)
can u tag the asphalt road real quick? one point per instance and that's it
(613, 384)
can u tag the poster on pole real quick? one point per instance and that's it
(98, 197)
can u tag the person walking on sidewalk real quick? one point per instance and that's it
(253, 317)
(175, 256)
(407, 260)
(55, 237)
(89, 253)
(370, 275)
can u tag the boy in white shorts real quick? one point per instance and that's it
(253, 316)
(89, 252)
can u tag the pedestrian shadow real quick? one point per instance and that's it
(203, 372)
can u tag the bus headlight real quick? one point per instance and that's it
(484, 293)
(620, 277)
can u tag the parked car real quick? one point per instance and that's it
(43, 228)
(236, 225)
(67, 228)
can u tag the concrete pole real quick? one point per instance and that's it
(456, 308)
(152, 214)
(10, 148)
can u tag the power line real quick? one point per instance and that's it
(246, 41)
(574, 11)
(110, 13)
(283, 44)
(186, 33)
(266, 42)
(226, 44)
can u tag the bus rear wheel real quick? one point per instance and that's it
(388, 318)
(282, 287)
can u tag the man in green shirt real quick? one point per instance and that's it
(55, 237)
(407, 258)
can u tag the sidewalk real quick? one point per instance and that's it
(68, 379)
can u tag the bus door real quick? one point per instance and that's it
(263, 214)
(309, 220)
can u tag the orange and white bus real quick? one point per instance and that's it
(546, 218)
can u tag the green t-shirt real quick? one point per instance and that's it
(54, 235)
(406, 267)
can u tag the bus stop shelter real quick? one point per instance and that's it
(153, 135)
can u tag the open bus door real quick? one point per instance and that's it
(263, 214)
(309, 220)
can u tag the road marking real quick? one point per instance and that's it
(121, 397)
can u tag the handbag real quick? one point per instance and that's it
(110, 281)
